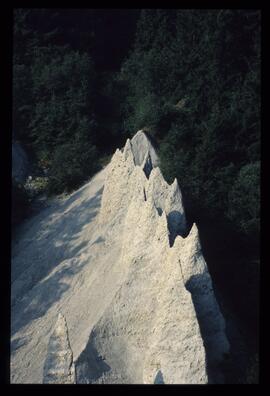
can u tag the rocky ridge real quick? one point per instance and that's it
(168, 285)
(129, 278)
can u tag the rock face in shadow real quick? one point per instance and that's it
(198, 282)
(159, 378)
(59, 366)
(90, 365)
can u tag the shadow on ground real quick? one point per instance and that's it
(90, 365)
(53, 245)
(232, 367)
(159, 378)
(208, 316)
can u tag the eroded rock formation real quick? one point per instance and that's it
(59, 366)
(164, 317)
(116, 258)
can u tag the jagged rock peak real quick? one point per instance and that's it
(168, 197)
(174, 198)
(61, 325)
(123, 180)
(137, 184)
(175, 209)
(59, 366)
(154, 226)
(157, 188)
(117, 156)
(156, 174)
(141, 145)
(189, 251)
(154, 309)
(116, 191)
(128, 150)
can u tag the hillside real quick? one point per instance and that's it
(116, 261)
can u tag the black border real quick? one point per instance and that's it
(5, 157)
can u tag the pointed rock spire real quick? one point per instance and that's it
(141, 145)
(157, 188)
(137, 183)
(128, 150)
(191, 257)
(175, 209)
(59, 366)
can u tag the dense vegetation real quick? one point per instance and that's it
(84, 82)
(194, 83)
(60, 110)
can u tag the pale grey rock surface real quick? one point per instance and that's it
(141, 146)
(134, 289)
(59, 366)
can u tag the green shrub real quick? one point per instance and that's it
(194, 80)
(244, 199)
(36, 186)
(72, 164)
